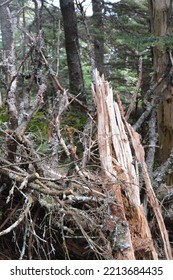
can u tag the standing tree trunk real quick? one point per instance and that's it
(10, 75)
(161, 13)
(72, 48)
(97, 6)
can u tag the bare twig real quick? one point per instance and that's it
(21, 217)
(24, 242)
(5, 3)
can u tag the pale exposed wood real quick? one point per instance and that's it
(117, 162)
(101, 93)
(139, 152)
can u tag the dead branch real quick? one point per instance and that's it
(21, 217)
(5, 3)
(20, 178)
(51, 72)
(134, 96)
(144, 116)
(33, 108)
(153, 137)
(163, 171)
(151, 100)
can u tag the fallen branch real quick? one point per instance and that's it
(20, 219)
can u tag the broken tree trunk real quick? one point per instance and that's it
(121, 155)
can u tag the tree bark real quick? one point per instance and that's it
(9, 61)
(97, 6)
(72, 48)
(161, 13)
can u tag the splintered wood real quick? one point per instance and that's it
(121, 154)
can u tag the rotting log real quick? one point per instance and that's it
(121, 153)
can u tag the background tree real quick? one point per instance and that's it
(161, 28)
(72, 48)
(98, 29)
